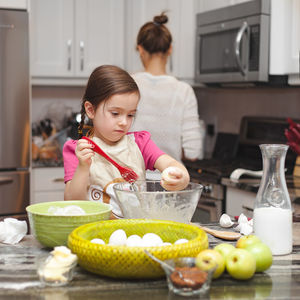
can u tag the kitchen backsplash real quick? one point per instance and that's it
(221, 107)
(224, 107)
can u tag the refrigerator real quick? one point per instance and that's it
(15, 132)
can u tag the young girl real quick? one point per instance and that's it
(110, 103)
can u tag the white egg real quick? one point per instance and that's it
(181, 241)
(166, 173)
(151, 240)
(118, 238)
(166, 244)
(98, 241)
(134, 241)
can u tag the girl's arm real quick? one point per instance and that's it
(175, 176)
(76, 188)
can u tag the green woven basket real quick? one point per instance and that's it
(132, 262)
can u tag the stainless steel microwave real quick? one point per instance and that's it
(232, 44)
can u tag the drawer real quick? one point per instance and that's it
(48, 179)
(39, 197)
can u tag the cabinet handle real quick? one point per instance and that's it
(299, 63)
(58, 180)
(6, 180)
(69, 45)
(81, 46)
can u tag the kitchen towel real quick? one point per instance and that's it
(12, 230)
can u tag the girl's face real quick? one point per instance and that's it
(113, 118)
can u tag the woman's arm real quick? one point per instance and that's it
(174, 175)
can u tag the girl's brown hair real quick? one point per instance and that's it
(104, 82)
(154, 36)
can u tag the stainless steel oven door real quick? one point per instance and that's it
(233, 51)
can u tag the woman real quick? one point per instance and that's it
(168, 107)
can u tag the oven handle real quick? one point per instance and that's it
(244, 29)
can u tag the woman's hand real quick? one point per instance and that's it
(84, 152)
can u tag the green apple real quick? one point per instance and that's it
(247, 240)
(262, 255)
(240, 264)
(210, 258)
(224, 249)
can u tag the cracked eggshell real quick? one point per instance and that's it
(242, 219)
(246, 229)
(225, 221)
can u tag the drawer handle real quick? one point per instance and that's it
(58, 180)
(5, 180)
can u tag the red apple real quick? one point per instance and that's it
(262, 255)
(210, 258)
(247, 240)
(240, 264)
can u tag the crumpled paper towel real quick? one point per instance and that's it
(12, 230)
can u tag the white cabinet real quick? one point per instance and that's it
(47, 185)
(70, 38)
(285, 37)
(14, 4)
(182, 25)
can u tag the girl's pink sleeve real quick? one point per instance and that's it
(70, 159)
(148, 148)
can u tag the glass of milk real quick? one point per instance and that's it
(272, 210)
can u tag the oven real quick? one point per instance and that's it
(233, 151)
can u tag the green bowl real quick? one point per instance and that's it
(51, 230)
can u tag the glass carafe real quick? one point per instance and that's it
(272, 210)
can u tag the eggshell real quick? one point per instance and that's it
(181, 241)
(242, 219)
(225, 221)
(118, 238)
(246, 229)
(98, 241)
(151, 240)
(134, 241)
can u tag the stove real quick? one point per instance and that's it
(232, 151)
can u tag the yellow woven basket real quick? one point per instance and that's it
(132, 262)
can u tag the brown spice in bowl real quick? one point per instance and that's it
(192, 277)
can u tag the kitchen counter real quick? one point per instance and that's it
(18, 279)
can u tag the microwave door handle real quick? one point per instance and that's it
(244, 28)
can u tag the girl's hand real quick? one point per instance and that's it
(174, 179)
(84, 152)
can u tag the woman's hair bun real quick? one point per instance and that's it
(161, 19)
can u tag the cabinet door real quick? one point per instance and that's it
(51, 31)
(285, 37)
(99, 28)
(182, 24)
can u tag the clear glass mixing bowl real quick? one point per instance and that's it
(149, 200)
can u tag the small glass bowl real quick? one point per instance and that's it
(191, 281)
(54, 275)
